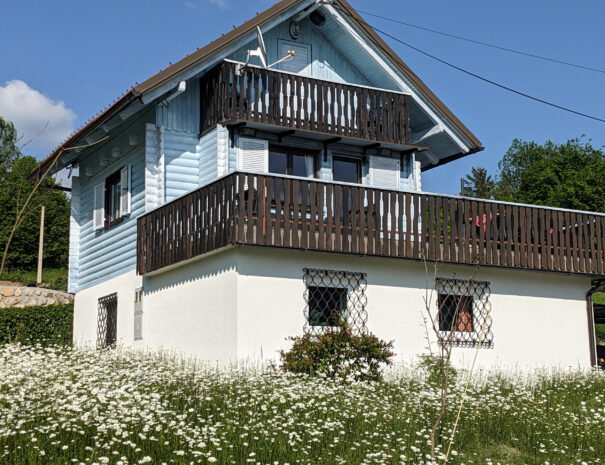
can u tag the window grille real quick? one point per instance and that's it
(107, 321)
(463, 309)
(333, 298)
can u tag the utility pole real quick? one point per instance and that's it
(40, 247)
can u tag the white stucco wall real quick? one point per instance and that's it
(192, 308)
(538, 318)
(86, 308)
(242, 303)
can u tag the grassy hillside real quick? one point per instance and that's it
(51, 278)
(62, 405)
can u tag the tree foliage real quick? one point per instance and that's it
(8, 144)
(15, 187)
(569, 175)
(481, 183)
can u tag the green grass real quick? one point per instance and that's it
(600, 331)
(60, 405)
(51, 278)
(599, 298)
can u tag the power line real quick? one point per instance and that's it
(486, 44)
(489, 81)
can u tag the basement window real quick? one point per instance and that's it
(107, 321)
(463, 312)
(334, 298)
(327, 305)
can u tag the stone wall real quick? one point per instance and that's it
(13, 296)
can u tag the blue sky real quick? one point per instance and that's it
(72, 58)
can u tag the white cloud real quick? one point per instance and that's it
(30, 111)
(222, 4)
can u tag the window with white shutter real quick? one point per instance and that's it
(125, 194)
(253, 155)
(99, 206)
(384, 172)
(112, 199)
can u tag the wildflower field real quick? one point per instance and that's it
(63, 406)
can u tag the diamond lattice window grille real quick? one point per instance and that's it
(107, 321)
(463, 312)
(332, 298)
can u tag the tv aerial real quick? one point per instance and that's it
(261, 53)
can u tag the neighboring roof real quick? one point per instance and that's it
(235, 34)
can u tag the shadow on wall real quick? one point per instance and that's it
(398, 273)
(198, 270)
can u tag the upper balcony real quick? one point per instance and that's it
(309, 214)
(289, 104)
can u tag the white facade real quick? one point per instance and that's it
(243, 303)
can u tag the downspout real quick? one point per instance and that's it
(592, 337)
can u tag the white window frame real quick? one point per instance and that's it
(99, 197)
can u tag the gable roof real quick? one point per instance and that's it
(199, 56)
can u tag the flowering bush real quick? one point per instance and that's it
(338, 353)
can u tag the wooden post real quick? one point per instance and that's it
(40, 247)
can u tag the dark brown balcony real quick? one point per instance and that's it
(295, 213)
(277, 101)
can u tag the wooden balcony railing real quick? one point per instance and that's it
(297, 213)
(296, 102)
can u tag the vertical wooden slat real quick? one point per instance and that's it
(321, 226)
(400, 224)
(338, 219)
(598, 254)
(354, 219)
(269, 201)
(330, 217)
(313, 220)
(278, 196)
(288, 219)
(296, 213)
(371, 219)
(392, 223)
(304, 221)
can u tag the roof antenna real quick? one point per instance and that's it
(261, 53)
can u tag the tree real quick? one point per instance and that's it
(481, 184)
(8, 144)
(569, 175)
(20, 202)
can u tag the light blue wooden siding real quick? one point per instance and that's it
(327, 62)
(110, 253)
(183, 112)
(181, 163)
(208, 157)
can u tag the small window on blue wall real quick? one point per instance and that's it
(300, 63)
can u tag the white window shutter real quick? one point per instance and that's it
(253, 155)
(125, 194)
(98, 216)
(384, 172)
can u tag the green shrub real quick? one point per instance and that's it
(32, 325)
(338, 353)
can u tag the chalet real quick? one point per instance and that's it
(225, 204)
